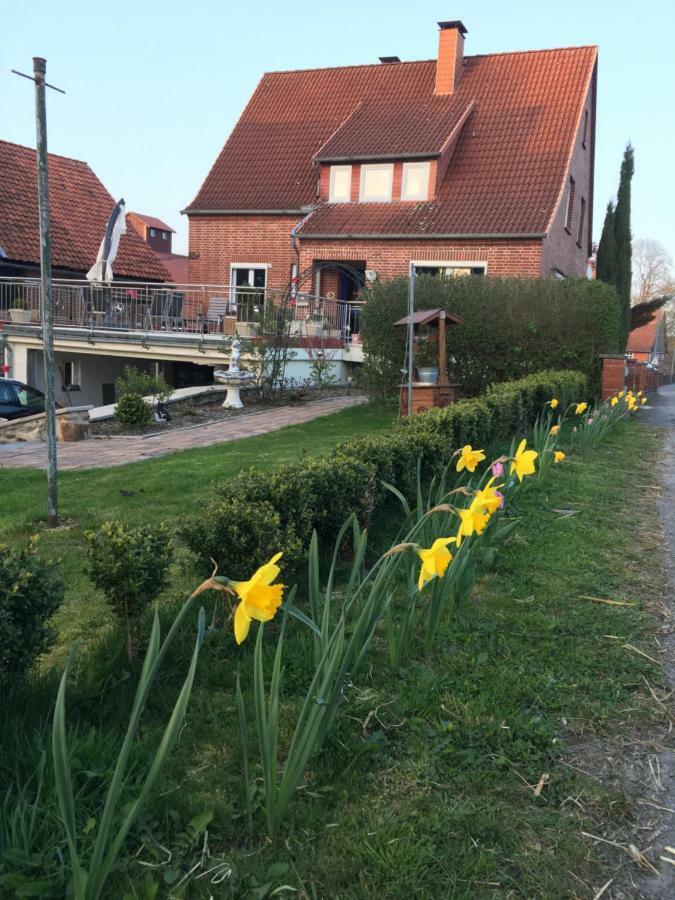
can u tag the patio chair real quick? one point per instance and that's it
(157, 310)
(174, 312)
(212, 320)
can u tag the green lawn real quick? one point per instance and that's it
(425, 789)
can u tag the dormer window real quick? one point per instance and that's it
(415, 185)
(340, 189)
(376, 183)
(153, 233)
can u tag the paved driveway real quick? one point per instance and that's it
(115, 451)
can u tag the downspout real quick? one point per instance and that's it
(295, 274)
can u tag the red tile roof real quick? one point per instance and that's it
(508, 167)
(377, 130)
(643, 339)
(79, 207)
(176, 265)
(152, 222)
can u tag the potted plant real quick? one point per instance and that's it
(426, 359)
(19, 313)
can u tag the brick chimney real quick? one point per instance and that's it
(450, 56)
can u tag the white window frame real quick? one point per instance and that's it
(153, 233)
(331, 186)
(382, 167)
(451, 264)
(250, 267)
(164, 236)
(76, 370)
(407, 166)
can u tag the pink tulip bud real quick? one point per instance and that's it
(590, 420)
(497, 470)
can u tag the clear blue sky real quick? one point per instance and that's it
(153, 89)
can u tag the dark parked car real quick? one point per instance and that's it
(18, 400)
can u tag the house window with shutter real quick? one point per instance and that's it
(582, 216)
(569, 204)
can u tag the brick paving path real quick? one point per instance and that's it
(115, 451)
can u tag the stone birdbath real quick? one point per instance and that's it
(233, 378)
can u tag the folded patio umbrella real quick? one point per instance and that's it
(116, 227)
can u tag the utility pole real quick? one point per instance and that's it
(411, 332)
(47, 311)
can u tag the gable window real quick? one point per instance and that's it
(569, 204)
(340, 189)
(415, 184)
(585, 132)
(164, 235)
(376, 182)
(582, 216)
(152, 232)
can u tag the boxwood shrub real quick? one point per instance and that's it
(253, 516)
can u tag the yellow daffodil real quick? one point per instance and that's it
(259, 598)
(614, 401)
(472, 520)
(553, 403)
(558, 456)
(640, 393)
(523, 462)
(469, 458)
(489, 498)
(554, 429)
(643, 399)
(435, 560)
(581, 408)
(621, 395)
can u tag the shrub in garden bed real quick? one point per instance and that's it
(30, 592)
(131, 566)
(320, 493)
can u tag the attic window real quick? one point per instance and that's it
(376, 183)
(152, 232)
(164, 235)
(415, 181)
(569, 204)
(585, 132)
(340, 188)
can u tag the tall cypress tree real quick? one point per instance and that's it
(623, 238)
(606, 259)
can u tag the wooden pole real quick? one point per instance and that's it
(442, 364)
(39, 72)
(411, 334)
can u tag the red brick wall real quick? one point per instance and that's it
(217, 241)
(562, 250)
(392, 258)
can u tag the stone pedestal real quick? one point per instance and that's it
(233, 397)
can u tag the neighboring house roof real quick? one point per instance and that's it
(649, 338)
(79, 210)
(508, 168)
(176, 265)
(152, 222)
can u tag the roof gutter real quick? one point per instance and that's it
(430, 154)
(245, 212)
(516, 235)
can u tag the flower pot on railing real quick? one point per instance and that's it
(20, 316)
(428, 374)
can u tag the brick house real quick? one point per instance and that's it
(159, 236)
(648, 343)
(459, 164)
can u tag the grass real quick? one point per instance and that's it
(164, 489)
(426, 788)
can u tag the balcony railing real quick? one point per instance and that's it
(207, 311)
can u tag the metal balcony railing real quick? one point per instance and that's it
(190, 309)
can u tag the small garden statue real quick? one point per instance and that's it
(234, 378)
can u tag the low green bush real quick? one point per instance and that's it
(130, 565)
(250, 518)
(142, 384)
(30, 592)
(132, 411)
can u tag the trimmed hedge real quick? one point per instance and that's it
(250, 518)
(512, 327)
